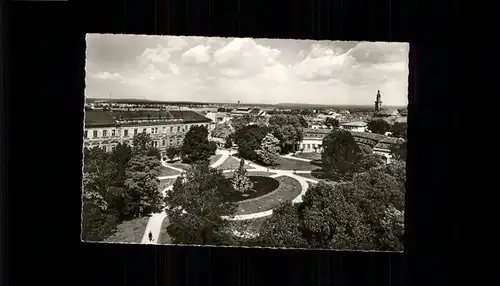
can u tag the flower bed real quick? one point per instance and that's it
(261, 186)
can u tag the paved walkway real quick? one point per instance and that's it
(155, 221)
(290, 156)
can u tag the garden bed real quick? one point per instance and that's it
(129, 231)
(288, 190)
(261, 185)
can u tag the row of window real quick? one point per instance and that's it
(152, 130)
(156, 144)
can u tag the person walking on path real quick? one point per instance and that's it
(150, 236)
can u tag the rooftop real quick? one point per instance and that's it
(103, 118)
(355, 123)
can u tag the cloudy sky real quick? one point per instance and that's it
(250, 70)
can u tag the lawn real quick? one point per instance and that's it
(288, 190)
(214, 158)
(309, 155)
(165, 183)
(261, 185)
(291, 164)
(231, 163)
(164, 238)
(165, 171)
(180, 165)
(129, 231)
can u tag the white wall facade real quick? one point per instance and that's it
(307, 145)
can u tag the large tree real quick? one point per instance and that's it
(249, 139)
(380, 195)
(119, 158)
(143, 144)
(173, 152)
(379, 126)
(288, 130)
(399, 152)
(340, 155)
(282, 228)
(240, 122)
(195, 206)
(398, 130)
(330, 220)
(269, 150)
(196, 146)
(141, 195)
(332, 122)
(241, 182)
(222, 131)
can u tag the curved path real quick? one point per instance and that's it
(155, 221)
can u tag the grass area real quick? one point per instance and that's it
(309, 155)
(291, 164)
(309, 176)
(129, 231)
(261, 186)
(180, 165)
(164, 238)
(165, 171)
(231, 163)
(288, 190)
(214, 158)
(165, 183)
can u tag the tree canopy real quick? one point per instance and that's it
(340, 155)
(399, 129)
(287, 129)
(379, 126)
(195, 206)
(269, 150)
(332, 122)
(241, 183)
(249, 139)
(222, 131)
(196, 146)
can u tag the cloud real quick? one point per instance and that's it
(262, 70)
(198, 55)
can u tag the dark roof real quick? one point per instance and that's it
(387, 112)
(126, 118)
(97, 118)
(372, 136)
(255, 111)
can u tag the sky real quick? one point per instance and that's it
(268, 71)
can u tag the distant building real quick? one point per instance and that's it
(240, 111)
(357, 126)
(312, 140)
(105, 129)
(378, 102)
(384, 146)
(388, 112)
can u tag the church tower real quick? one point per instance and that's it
(378, 102)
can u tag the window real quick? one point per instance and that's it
(155, 144)
(135, 131)
(86, 134)
(171, 129)
(104, 133)
(95, 134)
(156, 130)
(113, 132)
(163, 142)
(178, 128)
(125, 133)
(164, 129)
(144, 130)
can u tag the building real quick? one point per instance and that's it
(105, 129)
(240, 111)
(356, 126)
(218, 117)
(387, 112)
(313, 139)
(384, 146)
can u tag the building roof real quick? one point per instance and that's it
(98, 118)
(387, 112)
(367, 135)
(355, 123)
(101, 118)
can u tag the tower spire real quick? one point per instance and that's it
(378, 101)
